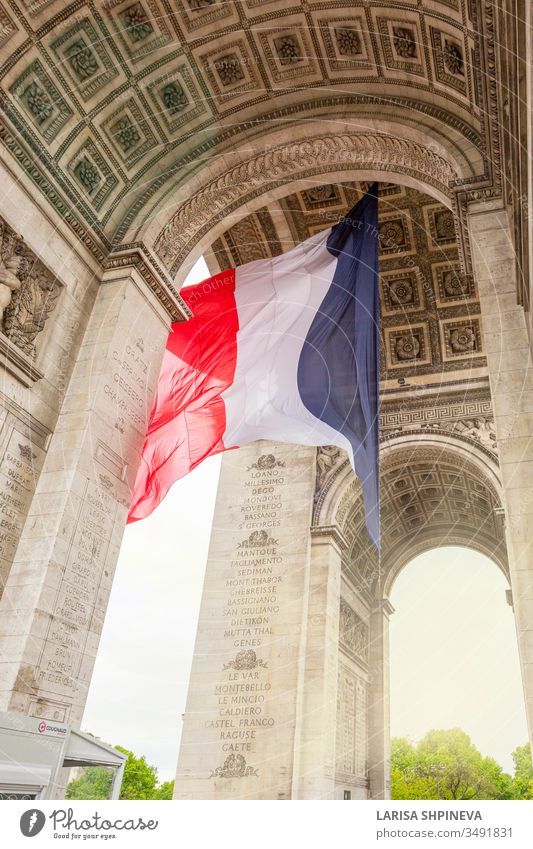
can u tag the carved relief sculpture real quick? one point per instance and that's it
(480, 428)
(326, 459)
(28, 292)
(9, 283)
(353, 632)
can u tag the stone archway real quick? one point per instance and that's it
(436, 490)
(143, 288)
(440, 431)
(293, 166)
(296, 613)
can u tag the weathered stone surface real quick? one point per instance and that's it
(55, 596)
(241, 717)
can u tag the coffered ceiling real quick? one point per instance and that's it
(109, 105)
(429, 498)
(430, 311)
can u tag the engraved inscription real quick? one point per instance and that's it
(19, 469)
(80, 599)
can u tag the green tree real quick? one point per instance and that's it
(139, 781)
(522, 784)
(404, 778)
(95, 783)
(164, 791)
(445, 765)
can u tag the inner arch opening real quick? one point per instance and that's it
(453, 652)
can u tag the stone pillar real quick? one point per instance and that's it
(508, 353)
(379, 702)
(52, 610)
(39, 337)
(314, 776)
(244, 699)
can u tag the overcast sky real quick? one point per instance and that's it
(453, 656)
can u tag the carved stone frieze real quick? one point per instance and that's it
(481, 429)
(422, 410)
(353, 632)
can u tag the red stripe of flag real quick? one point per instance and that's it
(188, 415)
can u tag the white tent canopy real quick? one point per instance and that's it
(33, 751)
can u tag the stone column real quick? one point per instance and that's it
(39, 337)
(52, 610)
(379, 702)
(244, 701)
(314, 775)
(508, 353)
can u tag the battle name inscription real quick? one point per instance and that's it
(246, 695)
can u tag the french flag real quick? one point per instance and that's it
(284, 349)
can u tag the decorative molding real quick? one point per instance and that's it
(232, 189)
(245, 660)
(147, 40)
(89, 236)
(139, 257)
(234, 766)
(35, 430)
(327, 457)
(81, 53)
(41, 100)
(396, 559)
(384, 606)
(331, 533)
(478, 430)
(291, 116)
(17, 363)
(7, 27)
(428, 409)
(93, 174)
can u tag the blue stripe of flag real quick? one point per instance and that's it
(338, 370)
